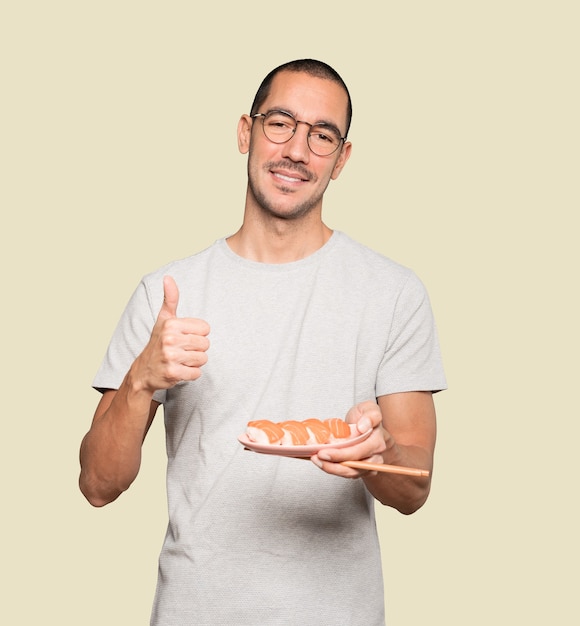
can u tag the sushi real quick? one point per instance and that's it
(264, 431)
(319, 432)
(295, 433)
(339, 429)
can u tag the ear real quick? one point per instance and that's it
(244, 132)
(342, 159)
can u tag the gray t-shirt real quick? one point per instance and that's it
(259, 539)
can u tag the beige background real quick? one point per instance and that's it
(118, 154)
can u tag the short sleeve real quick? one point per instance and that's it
(128, 341)
(412, 358)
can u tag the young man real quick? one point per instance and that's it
(304, 323)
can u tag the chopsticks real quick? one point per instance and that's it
(392, 469)
(373, 467)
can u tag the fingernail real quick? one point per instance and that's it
(363, 425)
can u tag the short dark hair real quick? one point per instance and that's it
(318, 69)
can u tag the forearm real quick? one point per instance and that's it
(110, 452)
(408, 439)
(405, 493)
(403, 432)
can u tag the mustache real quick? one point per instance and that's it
(290, 166)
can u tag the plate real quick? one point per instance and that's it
(302, 451)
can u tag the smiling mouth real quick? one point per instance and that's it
(289, 179)
(289, 173)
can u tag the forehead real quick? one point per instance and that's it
(308, 98)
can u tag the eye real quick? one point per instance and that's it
(280, 122)
(322, 135)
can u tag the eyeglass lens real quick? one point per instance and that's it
(279, 127)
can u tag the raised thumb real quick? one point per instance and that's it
(170, 298)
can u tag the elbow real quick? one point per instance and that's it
(414, 504)
(97, 497)
(407, 507)
(411, 507)
(98, 501)
(101, 486)
(406, 503)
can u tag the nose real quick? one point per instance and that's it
(296, 148)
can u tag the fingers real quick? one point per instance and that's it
(365, 415)
(183, 341)
(177, 347)
(336, 468)
(194, 348)
(177, 354)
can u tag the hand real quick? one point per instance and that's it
(177, 348)
(366, 415)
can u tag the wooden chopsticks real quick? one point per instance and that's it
(392, 469)
(380, 467)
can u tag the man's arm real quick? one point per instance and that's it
(404, 433)
(409, 430)
(111, 451)
(110, 454)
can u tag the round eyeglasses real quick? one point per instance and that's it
(279, 127)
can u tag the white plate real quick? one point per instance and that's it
(301, 451)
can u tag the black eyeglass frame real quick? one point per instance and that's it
(341, 140)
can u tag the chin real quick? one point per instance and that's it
(291, 213)
(285, 210)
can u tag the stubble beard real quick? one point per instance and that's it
(282, 210)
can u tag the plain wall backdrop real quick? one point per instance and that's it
(118, 153)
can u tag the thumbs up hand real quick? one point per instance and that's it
(177, 348)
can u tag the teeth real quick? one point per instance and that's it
(288, 178)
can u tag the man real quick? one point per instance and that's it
(304, 323)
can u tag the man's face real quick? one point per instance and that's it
(288, 180)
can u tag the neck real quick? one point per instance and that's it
(278, 240)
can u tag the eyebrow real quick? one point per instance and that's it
(330, 125)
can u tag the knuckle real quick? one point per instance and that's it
(167, 341)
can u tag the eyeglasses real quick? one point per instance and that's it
(279, 127)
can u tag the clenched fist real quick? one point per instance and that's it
(177, 348)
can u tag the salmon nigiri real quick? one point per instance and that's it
(319, 432)
(295, 433)
(264, 431)
(339, 429)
